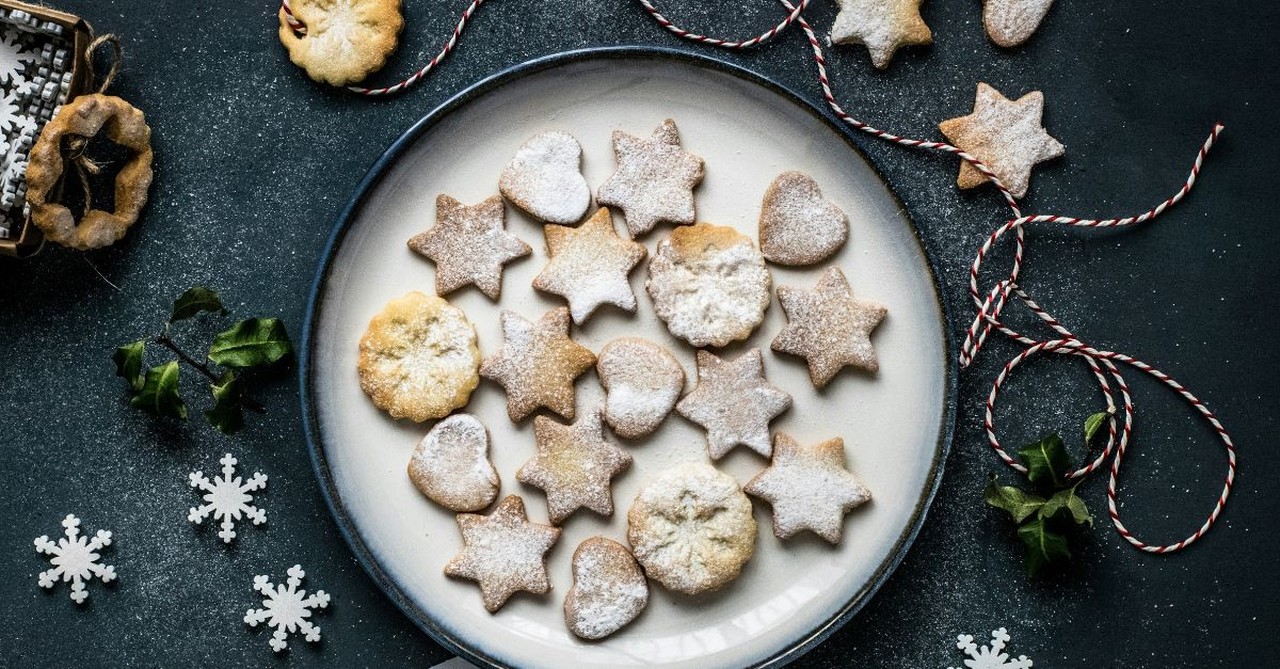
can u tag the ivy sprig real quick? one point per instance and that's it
(1045, 514)
(246, 345)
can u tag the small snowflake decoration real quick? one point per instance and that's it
(75, 559)
(13, 57)
(990, 657)
(10, 115)
(286, 608)
(227, 498)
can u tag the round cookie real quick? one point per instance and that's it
(341, 41)
(692, 529)
(797, 225)
(709, 284)
(642, 382)
(451, 465)
(418, 358)
(608, 592)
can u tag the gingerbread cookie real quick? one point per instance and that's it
(809, 488)
(797, 225)
(642, 382)
(451, 465)
(589, 266)
(734, 403)
(537, 364)
(1005, 135)
(829, 327)
(882, 25)
(654, 180)
(573, 466)
(692, 528)
(469, 245)
(418, 358)
(503, 552)
(341, 42)
(544, 178)
(709, 284)
(609, 590)
(1012, 22)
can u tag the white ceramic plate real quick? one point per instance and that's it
(896, 425)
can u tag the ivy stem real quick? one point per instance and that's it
(164, 340)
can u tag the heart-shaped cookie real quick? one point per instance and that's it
(1011, 22)
(609, 590)
(797, 225)
(451, 465)
(544, 178)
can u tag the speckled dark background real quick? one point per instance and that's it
(253, 162)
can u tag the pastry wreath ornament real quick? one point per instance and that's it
(77, 122)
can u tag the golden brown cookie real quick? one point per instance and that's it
(1005, 135)
(829, 327)
(589, 266)
(654, 180)
(573, 466)
(538, 363)
(418, 358)
(503, 552)
(609, 589)
(469, 244)
(544, 178)
(1012, 22)
(451, 465)
(734, 403)
(882, 25)
(642, 382)
(709, 284)
(344, 41)
(692, 528)
(809, 488)
(797, 225)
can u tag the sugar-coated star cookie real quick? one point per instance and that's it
(503, 552)
(451, 465)
(797, 225)
(544, 178)
(538, 363)
(469, 244)
(573, 466)
(1005, 135)
(609, 589)
(829, 327)
(589, 265)
(642, 382)
(344, 41)
(882, 25)
(809, 488)
(1011, 22)
(734, 403)
(654, 180)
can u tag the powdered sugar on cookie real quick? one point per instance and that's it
(642, 381)
(809, 488)
(654, 181)
(1005, 135)
(797, 225)
(451, 465)
(503, 552)
(590, 265)
(609, 589)
(544, 178)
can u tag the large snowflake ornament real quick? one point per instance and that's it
(990, 657)
(13, 57)
(10, 115)
(75, 559)
(286, 608)
(227, 498)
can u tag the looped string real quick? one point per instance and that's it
(74, 152)
(989, 305)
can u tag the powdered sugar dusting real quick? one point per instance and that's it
(809, 488)
(797, 225)
(642, 381)
(544, 178)
(654, 181)
(450, 465)
(609, 590)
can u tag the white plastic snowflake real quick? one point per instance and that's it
(286, 608)
(227, 498)
(75, 559)
(10, 116)
(12, 57)
(990, 657)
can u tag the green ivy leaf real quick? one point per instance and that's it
(226, 414)
(159, 392)
(1016, 501)
(128, 359)
(251, 343)
(1092, 424)
(193, 302)
(1069, 501)
(1046, 460)
(1044, 546)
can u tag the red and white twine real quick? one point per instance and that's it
(988, 305)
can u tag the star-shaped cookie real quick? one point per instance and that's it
(1005, 135)
(828, 327)
(589, 265)
(734, 403)
(537, 364)
(808, 487)
(654, 180)
(882, 25)
(469, 244)
(573, 466)
(503, 552)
